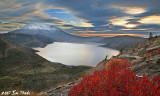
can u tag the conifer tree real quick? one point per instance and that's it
(150, 35)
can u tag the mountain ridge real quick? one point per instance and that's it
(119, 42)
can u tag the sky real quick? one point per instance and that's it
(84, 17)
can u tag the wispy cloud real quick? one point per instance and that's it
(76, 16)
(153, 19)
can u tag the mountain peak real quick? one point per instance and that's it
(39, 26)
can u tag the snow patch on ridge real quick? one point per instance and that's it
(39, 26)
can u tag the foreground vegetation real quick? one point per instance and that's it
(116, 80)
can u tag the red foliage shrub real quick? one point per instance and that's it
(117, 80)
(117, 63)
(153, 52)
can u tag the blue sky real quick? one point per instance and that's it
(84, 17)
(62, 14)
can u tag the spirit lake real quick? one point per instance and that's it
(89, 54)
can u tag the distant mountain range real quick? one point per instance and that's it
(39, 35)
(22, 69)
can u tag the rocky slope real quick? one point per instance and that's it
(145, 58)
(22, 69)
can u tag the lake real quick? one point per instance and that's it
(89, 54)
